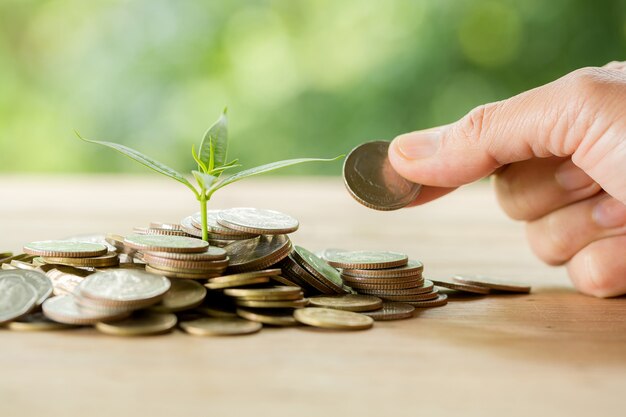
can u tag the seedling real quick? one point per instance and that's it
(211, 160)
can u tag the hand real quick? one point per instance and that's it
(558, 155)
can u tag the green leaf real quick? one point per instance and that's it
(215, 143)
(144, 160)
(201, 164)
(219, 170)
(266, 168)
(204, 180)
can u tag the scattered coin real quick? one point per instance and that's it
(272, 303)
(234, 283)
(17, 296)
(109, 259)
(182, 295)
(474, 289)
(140, 324)
(441, 300)
(367, 259)
(63, 309)
(493, 284)
(217, 229)
(349, 302)
(409, 298)
(309, 283)
(271, 317)
(259, 221)
(258, 253)
(319, 268)
(40, 282)
(411, 269)
(168, 226)
(372, 181)
(392, 311)
(214, 326)
(65, 249)
(36, 322)
(161, 243)
(213, 253)
(180, 274)
(265, 294)
(333, 319)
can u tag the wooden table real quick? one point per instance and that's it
(553, 352)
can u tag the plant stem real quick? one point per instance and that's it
(203, 215)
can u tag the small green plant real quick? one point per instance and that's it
(211, 160)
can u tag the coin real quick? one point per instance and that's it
(349, 302)
(266, 294)
(215, 228)
(302, 277)
(124, 287)
(17, 296)
(183, 295)
(139, 324)
(272, 304)
(441, 300)
(212, 253)
(160, 243)
(187, 226)
(243, 275)
(319, 268)
(241, 282)
(271, 317)
(284, 281)
(157, 231)
(365, 259)
(181, 274)
(372, 181)
(168, 226)
(411, 269)
(65, 248)
(216, 311)
(392, 311)
(348, 279)
(333, 319)
(109, 259)
(185, 266)
(392, 286)
(63, 309)
(427, 286)
(411, 297)
(36, 322)
(474, 289)
(493, 284)
(258, 253)
(40, 282)
(214, 326)
(260, 221)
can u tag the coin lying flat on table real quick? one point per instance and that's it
(259, 221)
(65, 249)
(348, 302)
(161, 243)
(183, 295)
(411, 269)
(459, 286)
(365, 259)
(17, 297)
(109, 259)
(333, 319)
(271, 317)
(272, 303)
(372, 181)
(214, 326)
(441, 300)
(493, 284)
(392, 311)
(140, 324)
(64, 309)
(36, 322)
(266, 294)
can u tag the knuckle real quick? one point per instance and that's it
(594, 278)
(549, 240)
(475, 124)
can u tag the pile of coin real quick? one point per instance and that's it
(248, 276)
(392, 276)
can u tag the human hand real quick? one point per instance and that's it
(558, 155)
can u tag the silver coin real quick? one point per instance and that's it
(124, 285)
(64, 309)
(17, 297)
(372, 181)
(214, 227)
(261, 221)
(40, 282)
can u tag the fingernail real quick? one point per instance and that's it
(418, 145)
(609, 213)
(571, 178)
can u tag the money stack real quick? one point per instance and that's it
(390, 276)
(72, 253)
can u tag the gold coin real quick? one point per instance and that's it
(65, 249)
(391, 286)
(266, 294)
(284, 281)
(392, 311)
(214, 311)
(139, 324)
(303, 278)
(258, 253)
(412, 268)
(180, 275)
(272, 304)
(64, 309)
(333, 319)
(412, 297)
(36, 322)
(216, 285)
(164, 263)
(183, 295)
(110, 259)
(441, 300)
(214, 326)
(160, 243)
(319, 268)
(474, 289)
(244, 275)
(271, 317)
(427, 286)
(493, 284)
(5, 255)
(212, 253)
(348, 302)
(365, 259)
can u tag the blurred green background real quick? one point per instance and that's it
(300, 78)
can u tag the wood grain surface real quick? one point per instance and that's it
(553, 352)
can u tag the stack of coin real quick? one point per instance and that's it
(388, 275)
(72, 253)
(178, 256)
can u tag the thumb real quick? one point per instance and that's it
(579, 115)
